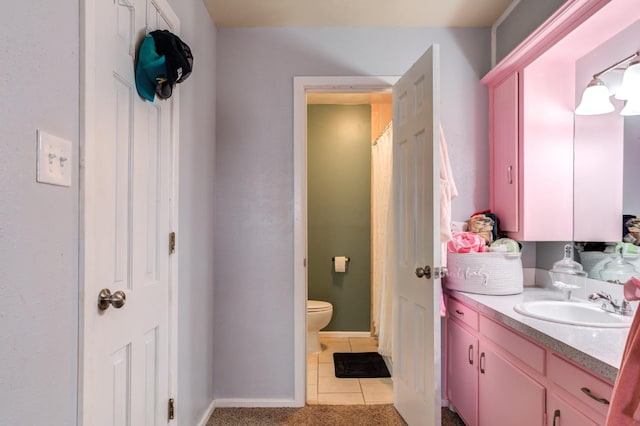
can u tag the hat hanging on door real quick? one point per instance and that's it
(163, 61)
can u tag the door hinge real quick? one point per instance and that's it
(171, 409)
(172, 243)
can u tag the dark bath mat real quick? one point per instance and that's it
(360, 365)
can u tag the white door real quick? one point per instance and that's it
(128, 158)
(416, 317)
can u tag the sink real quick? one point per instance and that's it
(572, 312)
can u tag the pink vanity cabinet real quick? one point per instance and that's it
(551, 175)
(496, 376)
(575, 397)
(487, 384)
(462, 360)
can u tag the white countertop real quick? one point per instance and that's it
(597, 349)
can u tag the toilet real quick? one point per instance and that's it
(318, 316)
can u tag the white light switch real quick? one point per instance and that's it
(54, 160)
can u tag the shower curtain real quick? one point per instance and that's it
(382, 243)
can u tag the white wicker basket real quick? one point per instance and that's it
(485, 273)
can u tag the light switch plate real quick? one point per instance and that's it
(53, 160)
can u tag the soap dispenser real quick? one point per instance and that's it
(567, 274)
(618, 270)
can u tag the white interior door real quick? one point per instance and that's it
(128, 158)
(416, 318)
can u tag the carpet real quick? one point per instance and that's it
(318, 415)
(359, 365)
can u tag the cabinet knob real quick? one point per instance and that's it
(471, 354)
(482, 357)
(556, 415)
(509, 178)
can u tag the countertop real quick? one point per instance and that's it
(597, 349)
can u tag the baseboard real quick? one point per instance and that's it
(344, 334)
(207, 414)
(229, 402)
(389, 363)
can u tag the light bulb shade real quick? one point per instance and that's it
(631, 106)
(630, 86)
(595, 99)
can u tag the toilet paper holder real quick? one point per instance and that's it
(347, 259)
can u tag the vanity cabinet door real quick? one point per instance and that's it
(561, 413)
(588, 390)
(507, 395)
(462, 372)
(531, 152)
(504, 154)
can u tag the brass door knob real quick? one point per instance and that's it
(423, 272)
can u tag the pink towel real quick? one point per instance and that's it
(625, 401)
(448, 191)
(466, 242)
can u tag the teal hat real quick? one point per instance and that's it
(151, 69)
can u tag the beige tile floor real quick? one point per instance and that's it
(323, 387)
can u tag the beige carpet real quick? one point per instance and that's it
(318, 415)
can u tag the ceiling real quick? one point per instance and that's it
(356, 13)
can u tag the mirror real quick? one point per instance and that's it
(595, 255)
(606, 159)
(631, 179)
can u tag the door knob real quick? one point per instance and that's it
(423, 272)
(106, 299)
(440, 272)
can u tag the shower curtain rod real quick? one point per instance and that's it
(382, 133)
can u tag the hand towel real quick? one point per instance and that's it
(624, 409)
(448, 191)
(466, 242)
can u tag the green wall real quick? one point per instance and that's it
(339, 211)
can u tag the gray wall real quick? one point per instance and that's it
(521, 22)
(525, 18)
(339, 211)
(549, 252)
(253, 308)
(196, 237)
(38, 223)
(631, 178)
(39, 89)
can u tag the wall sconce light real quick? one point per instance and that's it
(595, 98)
(631, 107)
(630, 81)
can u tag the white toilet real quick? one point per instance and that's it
(318, 316)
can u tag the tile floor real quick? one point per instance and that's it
(323, 387)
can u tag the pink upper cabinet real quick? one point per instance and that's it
(565, 172)
(504, 153)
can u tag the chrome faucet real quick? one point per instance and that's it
(609, 304)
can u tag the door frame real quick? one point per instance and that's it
(86, 118)
(302, 86)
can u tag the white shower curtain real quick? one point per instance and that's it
(382, 241)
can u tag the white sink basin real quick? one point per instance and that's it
(573, 312)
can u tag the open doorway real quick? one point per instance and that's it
(320, 90)
(416, 318)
